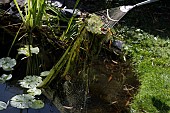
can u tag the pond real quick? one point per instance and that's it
(9, 90)
(112, 85)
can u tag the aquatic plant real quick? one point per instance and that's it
(44, 73)
(28, 50)
(26, 101)
(3, 105)
(34, 11)
(5, 78)
(94, 24)
(31, 82)
(7, 63)
(23, 101)
(34, 91)
(83, 42)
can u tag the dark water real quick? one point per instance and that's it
(7, 91)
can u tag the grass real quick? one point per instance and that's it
(150, 59)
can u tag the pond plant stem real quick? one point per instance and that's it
(66, 59)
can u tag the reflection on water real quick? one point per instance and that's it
(7, 91)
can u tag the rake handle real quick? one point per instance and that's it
(145, 2)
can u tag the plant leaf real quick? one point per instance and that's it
(28, 50)
(7, 63)
(3, 105)
(21, 101)
(6, 77)
(34, 91)
(36, 104)
(94, 24)
(30, 81)
(44, 73)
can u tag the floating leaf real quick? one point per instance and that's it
(34, 91)
(36, 104)
(2, 80)
(30, 81)
(3, 105)
(5, 77)
(7, 63)
(44, 73)
(35, 50)
(26, 101)
(28, 50)
(21, 101)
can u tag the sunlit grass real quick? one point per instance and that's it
(150, 58)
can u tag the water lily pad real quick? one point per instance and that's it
(35, 50)
(2, 81)
(34, 91)
(7, 63)
(21, 101)
(26, 101)
(44, 73)
(30, 81)
(3, 105)
(28, 50)
(36, 104)
(5, 77)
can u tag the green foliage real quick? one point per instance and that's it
(83, 42)
(65, 61)
(150, 58)
(28, 50)
(94, 24)
(3, 105)
(34, 91)
(36, 104)
(7, 63)
(79, 38)
(34, 10)
(21, 101)
(5, 77)
(30, 81)
(44, 73)
(26, 101)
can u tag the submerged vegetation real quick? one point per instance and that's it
(56, 54)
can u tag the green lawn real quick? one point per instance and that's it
(151, 61)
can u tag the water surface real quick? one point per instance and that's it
(7, 91)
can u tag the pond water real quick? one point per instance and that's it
(7, 91)
(112, 85)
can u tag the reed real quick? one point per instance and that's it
(34, 12)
